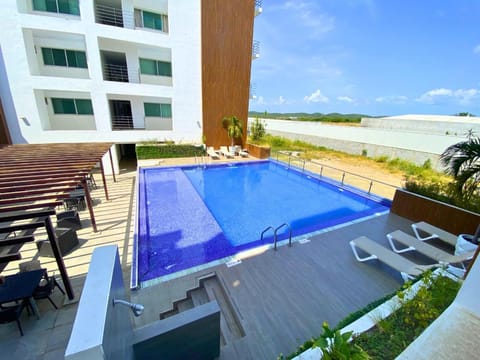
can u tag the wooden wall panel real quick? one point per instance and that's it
(4, 132)
(227, 35)
(418, 208)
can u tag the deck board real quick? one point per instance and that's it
(283, 297)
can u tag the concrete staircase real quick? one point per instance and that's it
(211, 288)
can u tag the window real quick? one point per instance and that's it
(151, 20)
(57, 6)
(158, 110)
(72, 106)
(60, 57)
(155, 67)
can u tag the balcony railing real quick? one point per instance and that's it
(124, 122)
(256, 49)
(253, 91)
(109, 15)
(112, 72)
(258, 7)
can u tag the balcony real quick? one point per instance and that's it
(258, 7)
(112, 72)
(124, 122)
(109, 15)
(253, 91)
(255, 49)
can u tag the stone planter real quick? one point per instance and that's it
(260, 152)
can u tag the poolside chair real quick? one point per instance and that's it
(239, 151)
(411, 243)
(408, 269)
(435, 233)
(211, 152)
(225, 152)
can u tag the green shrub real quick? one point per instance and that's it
(381, 159)
(336, 346)
(394, 334)
(158, 151)
(257, 130)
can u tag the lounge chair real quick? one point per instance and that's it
(411, 243)
(435, 233)
(211, 152)
(225, 152)
(239, 151)
(408, 269)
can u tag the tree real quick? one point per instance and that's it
(462, 161)
(257, 130)
(234, 128)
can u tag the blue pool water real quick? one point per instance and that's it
(191, 216)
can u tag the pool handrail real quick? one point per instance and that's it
(275, 235)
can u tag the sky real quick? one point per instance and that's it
(374, 57)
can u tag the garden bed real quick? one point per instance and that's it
(388, 329)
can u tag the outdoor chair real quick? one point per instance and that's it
(45, 289)
(411, 243)
(434, 233)
(211, 152)
(225, 152)
(69, 219)
(12, 313)
(66, 239)
(408, 269)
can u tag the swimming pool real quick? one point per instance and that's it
(190, 216)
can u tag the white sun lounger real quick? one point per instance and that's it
(225, 152)
(426, 249)
(211, 152)
(408, 269)
(435, 233)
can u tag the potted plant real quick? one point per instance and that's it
(234, 128)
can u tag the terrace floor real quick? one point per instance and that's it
(280, 298)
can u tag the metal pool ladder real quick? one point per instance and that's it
(275, 234)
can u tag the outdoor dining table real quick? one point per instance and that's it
(21, 286)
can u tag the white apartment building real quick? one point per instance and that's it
(120, 71)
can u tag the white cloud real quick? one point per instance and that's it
(280, 101)
(476, 49)
(261, 100)
(462, 96)
(309, 16)
(346, 99)
(393, 99)
(316, 96)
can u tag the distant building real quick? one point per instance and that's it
(124, 71)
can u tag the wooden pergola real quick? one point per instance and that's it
(35, 179)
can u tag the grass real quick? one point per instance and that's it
(310, 151)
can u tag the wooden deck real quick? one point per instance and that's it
(282, 298)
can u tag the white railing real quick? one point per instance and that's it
(124, 122)
(258, 7)
(255, 49)
(109, 15)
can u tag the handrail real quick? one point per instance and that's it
(275, 235)
(320, 173)
(266, 229)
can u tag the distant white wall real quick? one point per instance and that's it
(416, 147)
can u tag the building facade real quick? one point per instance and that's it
(124, 71)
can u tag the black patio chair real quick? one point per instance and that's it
(69, 219)
(45, 289)
(12, 313)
